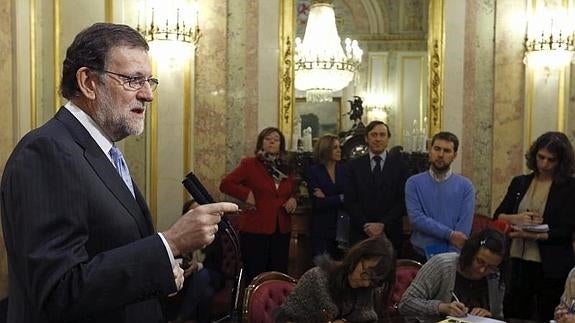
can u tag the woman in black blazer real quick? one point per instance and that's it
(540, 261)
(325, 182)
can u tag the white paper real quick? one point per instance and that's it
(472, 319)
(531, 228)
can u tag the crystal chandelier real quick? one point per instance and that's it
(549, 40)
(321, 64)
(170, 21)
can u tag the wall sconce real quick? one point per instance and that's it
(549, 40)
(170, 26)
(378, 107)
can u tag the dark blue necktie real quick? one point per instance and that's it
(121, 167)
(377, 167)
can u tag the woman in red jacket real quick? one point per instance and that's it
(268, 189)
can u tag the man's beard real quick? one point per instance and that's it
(115, 121)
(442, 169)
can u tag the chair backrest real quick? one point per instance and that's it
(265, 293)
(480, 222)
(500, 225)
(405, 272)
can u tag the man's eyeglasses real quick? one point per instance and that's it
(135, 82)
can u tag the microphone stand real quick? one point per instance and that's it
(202, 196)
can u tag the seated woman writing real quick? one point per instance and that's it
(456, 284)
(342, 291)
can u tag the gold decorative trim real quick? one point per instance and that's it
(33, 87)
(435, 51)
(529, 104)
(152, 164)
(561, 100)
(57, 60)
(286, 69)
(109, 11)
(188, 119)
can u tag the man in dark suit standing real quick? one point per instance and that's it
(79, 237)
(374, 194)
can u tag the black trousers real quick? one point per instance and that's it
(530, 295)
(264, 252)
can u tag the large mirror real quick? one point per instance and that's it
(400, 77)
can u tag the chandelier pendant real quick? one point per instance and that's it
(322, 66)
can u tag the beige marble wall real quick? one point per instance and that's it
(226, 109)
(6, 120)
(242, 95)
(507, 153)
(211, 107)
(476, 154)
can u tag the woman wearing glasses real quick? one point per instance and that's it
(342, 291)
(456, 284)
(540, 261)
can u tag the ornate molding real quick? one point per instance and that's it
(286, 91)
(435, 52)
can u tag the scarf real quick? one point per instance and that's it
(274, 164)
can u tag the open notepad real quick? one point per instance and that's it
(531, 228)
(470, 319)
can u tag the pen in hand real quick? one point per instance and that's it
(464, 309)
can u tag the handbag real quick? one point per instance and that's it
(342, 233)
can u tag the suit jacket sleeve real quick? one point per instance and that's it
(351, 193)
(46, 200)
(314, 180)
(398, 210)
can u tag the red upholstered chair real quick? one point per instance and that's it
(500, 225)
(265, 293)
(480, 222)
(405, 272)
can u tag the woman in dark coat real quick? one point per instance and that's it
(325, 182)
(540, 261)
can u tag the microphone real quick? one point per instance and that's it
(201, 195)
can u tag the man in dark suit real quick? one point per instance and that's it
(79, 237)
(374, 192)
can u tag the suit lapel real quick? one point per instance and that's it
(106, 171)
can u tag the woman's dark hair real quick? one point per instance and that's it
(91, 48)
(372, 248)
(323, 148)
(558, 144)
(374, 124)
(267, 131)
(490, 239)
